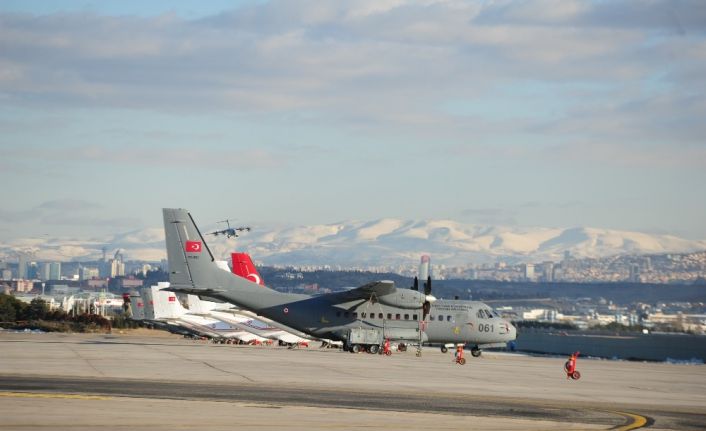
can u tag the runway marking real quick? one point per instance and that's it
(46, 395)
(637, 421)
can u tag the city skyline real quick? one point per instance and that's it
(553, 114)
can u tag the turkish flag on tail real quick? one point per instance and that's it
(193, 246)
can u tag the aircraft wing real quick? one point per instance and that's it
(366, 291)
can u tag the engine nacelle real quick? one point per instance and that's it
(408, 299)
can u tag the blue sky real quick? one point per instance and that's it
(537, 113)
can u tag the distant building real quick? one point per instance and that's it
(528, 271)
(22, 266)
(55, 271)
(634, 276)
(32, 271)
(130, 283)
(22, 286)
(117, 268)
(87, 273)
(548, 271)
(45, 271)
(6, 274)
(97, 283)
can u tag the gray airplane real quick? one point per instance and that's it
(362, 318)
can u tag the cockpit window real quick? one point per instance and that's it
(486, 314)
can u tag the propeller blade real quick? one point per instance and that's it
(427, 286)
(416, 284)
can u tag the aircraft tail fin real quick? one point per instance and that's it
(243, 266)
(187, 251)
(194, 270)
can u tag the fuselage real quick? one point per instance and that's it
(449, 321)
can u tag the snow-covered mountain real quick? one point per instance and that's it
(387, 242)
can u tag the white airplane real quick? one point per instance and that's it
(164, 306)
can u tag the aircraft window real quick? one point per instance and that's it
(345, 314)
(362, 315)
(414, 317)
(406, 317)
(380, 316)
(481, 314)
(494, 313)
(431, 317)
(338, 314)
(389, 316)
(397, 317)
(448, 318)
(355, 315)
(441, 318)
(372, 315)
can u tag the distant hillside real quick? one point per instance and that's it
(389, 242)
(385, 242)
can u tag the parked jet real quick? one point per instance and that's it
(244, 267)
(361, 318)
(163, 306)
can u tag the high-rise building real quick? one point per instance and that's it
(32, 271)
(528, 271)
(55, 271)
(634, 273)
(44, 273)
(117, 268)
(86, 273)
(548, 271)
(22, 266)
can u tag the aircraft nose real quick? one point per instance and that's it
(512, 331)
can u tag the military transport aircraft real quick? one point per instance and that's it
(362, 318)
(230, 232)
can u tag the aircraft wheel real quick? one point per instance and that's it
(355, 348)
(444, 349)
(462, 361)
(575, 375)
(388, 353)
(373, 349)
(476, 352)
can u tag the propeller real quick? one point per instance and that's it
(415, 286)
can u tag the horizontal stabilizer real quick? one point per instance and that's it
(194, 291)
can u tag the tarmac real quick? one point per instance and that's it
(151, 380)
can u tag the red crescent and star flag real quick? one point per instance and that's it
(193, 246)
